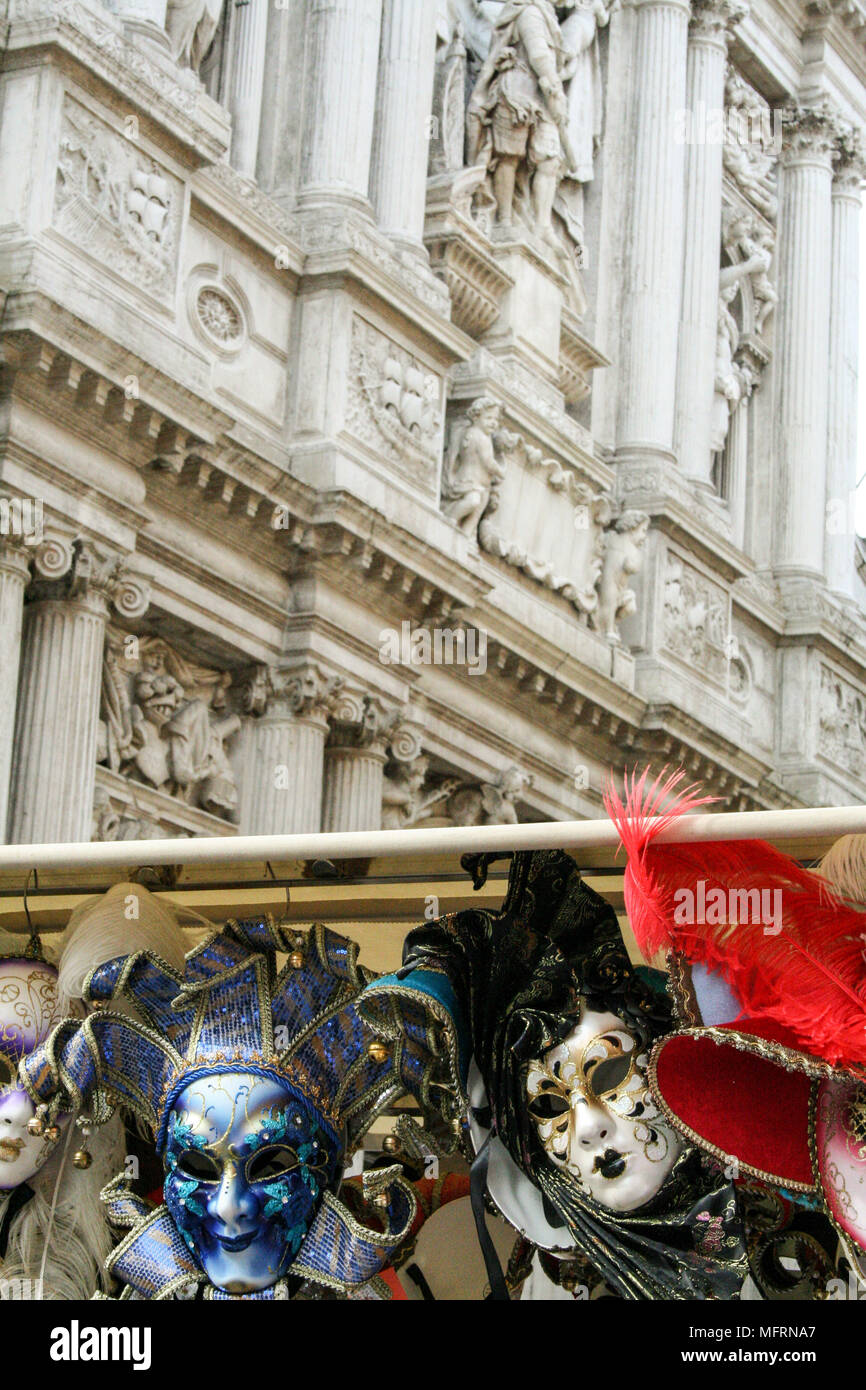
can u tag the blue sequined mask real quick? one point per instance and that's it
(246, 1166)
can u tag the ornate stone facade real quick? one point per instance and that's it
(387, 442)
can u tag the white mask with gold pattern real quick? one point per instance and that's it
(596, 1116)
(28, 1010)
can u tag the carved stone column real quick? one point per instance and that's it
(707, 53)
(250, 32)
(343, 48)
(14, 576)
(355, 763)
(285, 751)
(805, 223)
(844, 364)
(654, 250)
(54, 754)
(398, 182)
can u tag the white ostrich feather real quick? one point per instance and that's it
(844, 866)
(126, 919)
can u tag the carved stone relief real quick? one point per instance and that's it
(696, 620)
(748, 152)
(842, 723)
(537, 515)
(409, 795)
(395, 404)
(166, 722)
(490, 803)
(116, 203)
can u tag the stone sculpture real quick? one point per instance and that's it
(624, 557)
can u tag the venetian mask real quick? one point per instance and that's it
(28, 1011)
(596, 1116)
(246, 1167)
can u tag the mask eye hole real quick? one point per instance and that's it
(609, 1075)
(274, 1162)
(550, 1102)
(195, 1164)
(8, 1073)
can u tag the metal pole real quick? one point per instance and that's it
(829, 822)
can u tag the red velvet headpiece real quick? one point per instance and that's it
(780, 1090)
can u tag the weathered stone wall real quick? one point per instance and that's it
(381, 448)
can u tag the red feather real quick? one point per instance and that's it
(809, 975)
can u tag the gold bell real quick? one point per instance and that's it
(296, 959)
(378, 1052)
(391, 1144)
(52, 1134)
(36, 1127)
(81, 1159)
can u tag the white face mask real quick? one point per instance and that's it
(28, 1011)
(596, 1115)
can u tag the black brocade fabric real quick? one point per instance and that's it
(521, 976)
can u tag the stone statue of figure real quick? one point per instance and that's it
(729, 380)
(196, 736)
(623, 558)
(473, 469)
(518, 116)
(171, 733)
(404, 801)
(491, 803)
(582, 73)
(191, 26)
(727, 384)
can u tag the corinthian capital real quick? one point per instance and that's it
(715, 20)
(363, 720)
(810, 133)
(306, 692)
(849, 160)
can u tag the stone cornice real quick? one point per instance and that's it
(152, 84)
(656, 487)
(40, 336)
(241, 203)
(342, 246)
